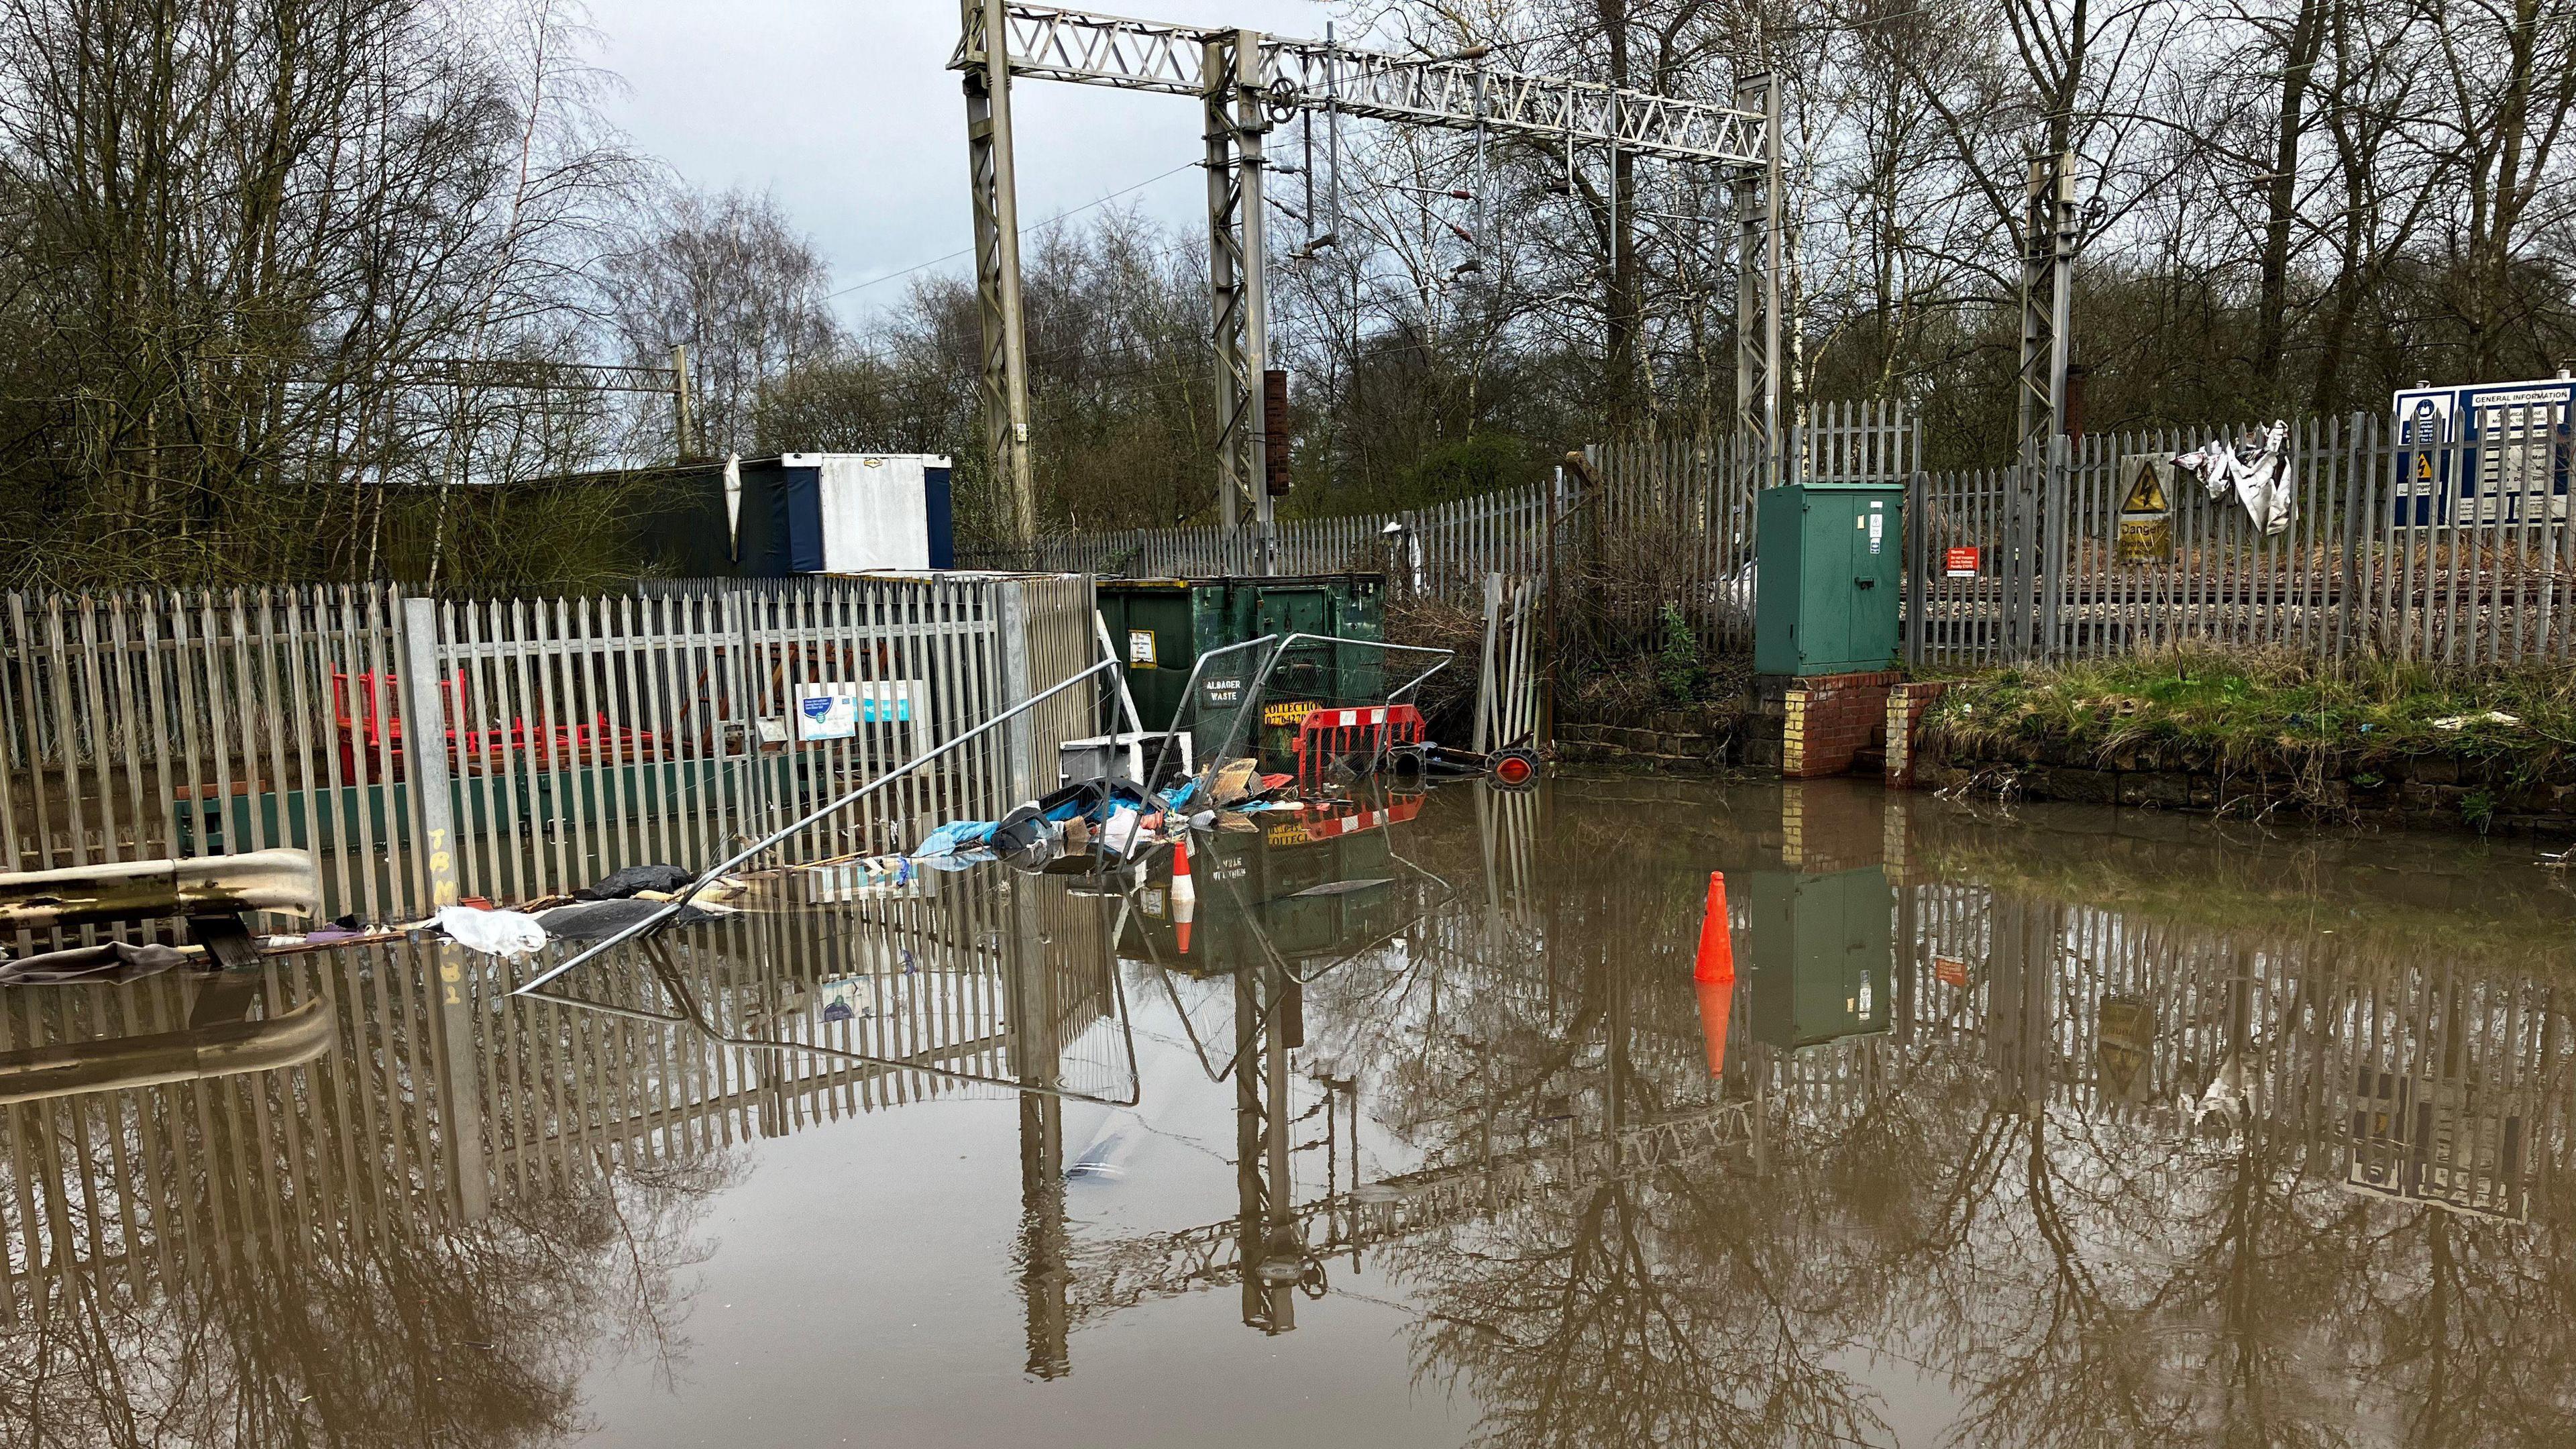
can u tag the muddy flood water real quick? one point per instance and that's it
(2028, 1126)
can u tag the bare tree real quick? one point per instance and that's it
(729, 277)
(260, 255)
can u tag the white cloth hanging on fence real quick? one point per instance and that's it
(2256, 469)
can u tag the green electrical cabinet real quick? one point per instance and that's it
(1821, 954)
(1163, 625)
(1831, 577)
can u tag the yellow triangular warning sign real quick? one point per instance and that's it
(2423, 467)
(2146, 491)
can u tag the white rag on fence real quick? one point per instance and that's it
(2256, 467)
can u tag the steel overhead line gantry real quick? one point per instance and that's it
(1248, 81)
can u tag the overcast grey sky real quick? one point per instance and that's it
(848, 115)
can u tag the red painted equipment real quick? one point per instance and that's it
(1325, 819)
(1185, 896)
(1326, 735)
(373, 734)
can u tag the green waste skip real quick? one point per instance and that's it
(1162, 626)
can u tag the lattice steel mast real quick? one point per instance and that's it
(1005, 374)
(1238, 260)
(2050, 232)
(1757, 286)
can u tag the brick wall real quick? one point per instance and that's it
(1830, 719)
(1905, 706)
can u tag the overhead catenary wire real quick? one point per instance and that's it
(1070, 211)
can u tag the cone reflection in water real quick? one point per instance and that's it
(1715, 999)
(1713, 973)
(1185, 896)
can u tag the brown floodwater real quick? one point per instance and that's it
(2040, 1125)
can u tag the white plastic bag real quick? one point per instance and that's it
(506, 934)
(1118, 833)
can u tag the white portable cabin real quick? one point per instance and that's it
(839, 513)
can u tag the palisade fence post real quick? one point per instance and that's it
(737, 616)
(1917, 546)
(434, 835)
(425, 743)
(2348, 606)
(1547, 562)
(2007, 513)
(2056, 551)
(1011, 612)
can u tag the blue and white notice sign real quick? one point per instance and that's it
(2493, 454)
(835, 711)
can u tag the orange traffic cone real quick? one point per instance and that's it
(1715, 999)
(1716, 942)
(1713, 974)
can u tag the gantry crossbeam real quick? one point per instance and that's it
(1151, 55)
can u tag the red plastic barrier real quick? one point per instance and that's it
(1328, 734)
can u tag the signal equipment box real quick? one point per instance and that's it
(1831, 577)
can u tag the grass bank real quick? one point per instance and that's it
(2362, 737)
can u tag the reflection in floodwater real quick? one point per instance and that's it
(2066, 1128)
(427, 1234)
(287, 1256)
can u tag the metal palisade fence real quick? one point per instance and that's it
(563, 738)
(2450, 547)
(1445, 550)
